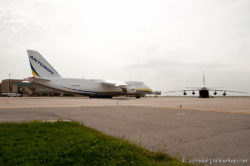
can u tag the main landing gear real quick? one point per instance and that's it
(91, 97)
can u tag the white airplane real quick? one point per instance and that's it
(204, 91)
(45, 75)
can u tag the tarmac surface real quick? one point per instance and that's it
(188, 128)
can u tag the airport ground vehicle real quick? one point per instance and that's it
(11, 95)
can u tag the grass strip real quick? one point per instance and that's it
(70, 143)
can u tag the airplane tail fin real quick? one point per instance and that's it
(39, 66)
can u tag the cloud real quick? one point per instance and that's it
(167, 44)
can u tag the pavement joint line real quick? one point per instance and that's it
(84, 106)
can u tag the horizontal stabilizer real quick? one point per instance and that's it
(31, 79)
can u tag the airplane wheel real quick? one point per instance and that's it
(138, 97)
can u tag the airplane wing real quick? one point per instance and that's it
(120, 84)
(219, 89)
(223, 90)
(115, 83)
(186, 90)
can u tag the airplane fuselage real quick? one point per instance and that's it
(92, 87)
(204, 93)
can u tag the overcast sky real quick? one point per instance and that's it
(166, 44)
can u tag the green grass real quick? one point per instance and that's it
(69, 143)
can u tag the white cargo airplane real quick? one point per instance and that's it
(204, 91)
(45, 75)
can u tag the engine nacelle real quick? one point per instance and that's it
(131, 90)
(124, 90)
(193, 93)
(224, 94)
(184, 93)
(215, 93)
